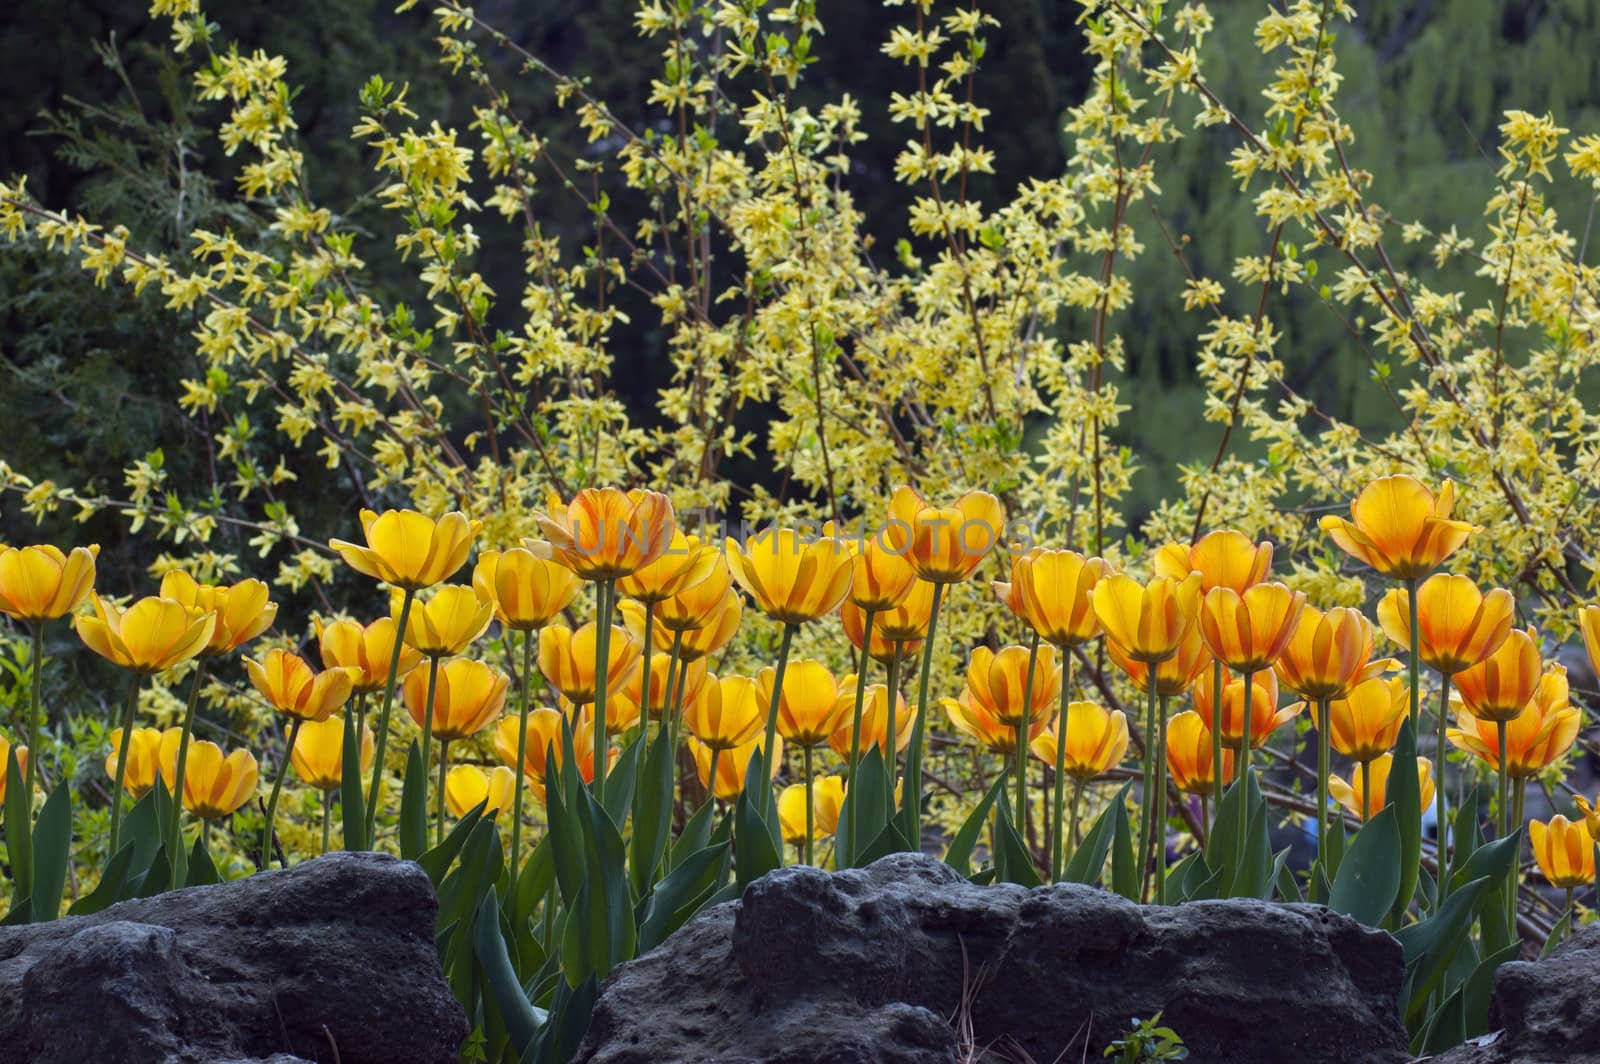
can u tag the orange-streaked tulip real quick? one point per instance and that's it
(978, 721)
(1499, 686)
(318, 754)
(700, 603)
(1248, 631)
(854, 623)
(527, 591)
(407, 549)
(1174, 675)
(1544, 731)
(1366, 722)
(468, 695)
(1564, 850)
(1096, 740)
(1591, 814)
(692, 679)
(792, 815)
(1352, 795)
(729, 712)
(997, 682)
(214, 785)
(1265, 716)
(242, 609)
(605, 533)
(1052, 590)
(945, 544)
(1189, 754)
(1147, 621)
(346, 644)
(827, 799)
(907, 622)
(874, 719)
(1458, 625)
(22, 759)
(880, 578)
(292, 687)
(467, 786)
(544, 738)
(1329, 654)
(40, 583)
(1589, 626)
(732, 765)
(622, 712)
(144, 760)
(790, 579)
(151, 635)
(685, 563)
(809, 710)
(448, 622)
(1399, 527)
(1224, 558)
(567, 659)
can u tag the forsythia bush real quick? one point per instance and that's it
(626, 659)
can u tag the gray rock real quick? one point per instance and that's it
(279, 968)
(906, 961)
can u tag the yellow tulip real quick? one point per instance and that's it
(1366, 722)
(1224, 558)
(1458, 626)
(979, 721)
(874, 719)
(144, 760)
(152, 635)
(1189, 754)
(883, 649)
(527, 591)
(366, 650)
(1265, 716)
(792, 815)
(448, 622)
(1564, 850)
(1097, 740)
(242, 609)
(717, 633)
(1589, 626)
(945, 545)
(998, 683)
(41, 583)
(732, 765)
(1052, 591)
(1175, 674)
(1591, 814)
(407, 549)
(292, 687)
(469, 694)
(907, 622)
(692, 677)
(318, 754)
(1329, 654)
(214, 786)
(1249, 631)
(1353, 794)
(1544, 731)
(809, 710)
(467, 786)
(606, 533)
(543, 741)
(728, 713)
(827, 800)
(1500, 686)
(698, 604)
(567, 659)
(790, 579)
(1399, 528)
(1147, 621)
(685, 563)
(22, 760)
(880, 578)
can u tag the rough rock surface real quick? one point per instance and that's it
(874, 965)
(273, 969)
(1542, 1010)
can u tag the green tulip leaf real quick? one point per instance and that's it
(352, 803)
(413, 806)
(1405, 796)
(1369, 876)
(652, 816)
(522, 1021)
(959, 855)
(52, 846)
(1089, 859)
(19, 831)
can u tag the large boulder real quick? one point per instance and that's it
(906, 961)
(332, 960)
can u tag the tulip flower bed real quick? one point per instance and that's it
(593, 682)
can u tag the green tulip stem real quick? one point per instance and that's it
(1324, 757)
(605, 595)
(361, 716)
(1412, 667)
(175, 836)
(272, 799)
(1023, 727)
(1366, 791)
(1518, 805)
(1161, 804)
(810, 813)
(1568, 917)
(1217, 783)
(1147, 795)
(383, 715)
(427, 725)
(522, 752)
(711, 775)
(769, 739)
(855, 724)
(327, 818)
(1057, 850)
(444, 772)
(205, 834)
(913, 793)
(35, 716)
(891, 726)
(1248, 714)
(644, 675)
(1442, 846)
(1504, 778)
(122, 762)
(1077, 805)
(1244, 764)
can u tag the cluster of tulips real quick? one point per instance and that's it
(1209, 625)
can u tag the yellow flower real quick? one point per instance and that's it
(408, 549)
(467, 786)
(1189, 754)
(567, 659)
(882, 650)
(544, 740)
(1175, 674)
(874, 719)
(1535, 738)
(944, 545)
(792, 815)
(1265, 716)
(698, 604)
(728, 713)
(366, 650)
(144, 759)
(998, 683)
(468, 696)
(809, 710)
(41, 583)
(1224, 558)
(1591, 814)
(732, 765)
(1499, 686)
(1249, 631)
(214, 786)
(693, 677)
(880, 578)
(318, 754)
(978, 720)
(448, 622)
(152, 635)
(527, 591)
(790, 579)
(1564, 850)
(827, 799)
(685, 563)
(1096, 740)
(906, 623)
(242, 609)
(1329, 654)
(605, 533)
(1147, 621)
(1366, 722)
(22, 759)
(1458, 625)
(1352, 796)
(715, 634)
(1051, 590)
(1399, 528)
(1589, 625)
(292, 687)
